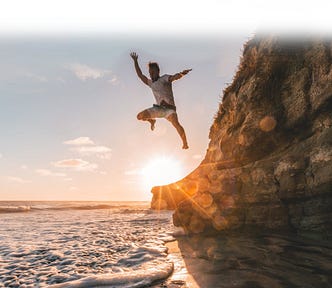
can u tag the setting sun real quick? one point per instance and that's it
(162, 171)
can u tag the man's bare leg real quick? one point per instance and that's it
(152, 122)
(173, 118)
(145, 116)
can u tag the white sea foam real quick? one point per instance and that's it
(57, 245)
(137, 278)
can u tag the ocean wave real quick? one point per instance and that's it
(14, 209)
(62, 206)
(76, 207)
(131, 279)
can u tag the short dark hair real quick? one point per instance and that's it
(154, 65)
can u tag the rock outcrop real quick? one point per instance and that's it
(269, 160)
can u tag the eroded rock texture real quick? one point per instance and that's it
(269, 160)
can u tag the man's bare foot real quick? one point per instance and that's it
(185, 146)
(152, 122)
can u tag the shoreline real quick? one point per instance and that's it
(180, 278)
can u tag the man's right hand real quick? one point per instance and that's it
(134, 56)
(138, 70)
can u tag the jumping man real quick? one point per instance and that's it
(162, 90)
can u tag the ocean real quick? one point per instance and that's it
(83, 244)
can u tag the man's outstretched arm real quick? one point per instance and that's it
(138, 69)
(179, 75)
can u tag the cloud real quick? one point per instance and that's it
(133, 172)
(46, 172)
(114, 80)
(102, 152)
(1, 155)
(17, 180)
(36, 77)
(24, 167)
(86, 147)
(61, 80)
(85, 72)
(76, 164)
(79, 141)
(93, 149)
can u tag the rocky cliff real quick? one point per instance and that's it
(269, 160)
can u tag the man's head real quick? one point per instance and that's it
(154, 71)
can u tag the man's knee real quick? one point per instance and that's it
(139, 116)
(143, 115)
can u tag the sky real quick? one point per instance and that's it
(69, 94)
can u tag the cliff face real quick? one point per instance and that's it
(269, 160)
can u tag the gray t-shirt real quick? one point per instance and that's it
(162, 90)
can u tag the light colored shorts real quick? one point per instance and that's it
(160, 112)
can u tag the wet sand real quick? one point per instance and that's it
(181, 277)
(246, 261)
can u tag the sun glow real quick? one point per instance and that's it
(162, 171)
